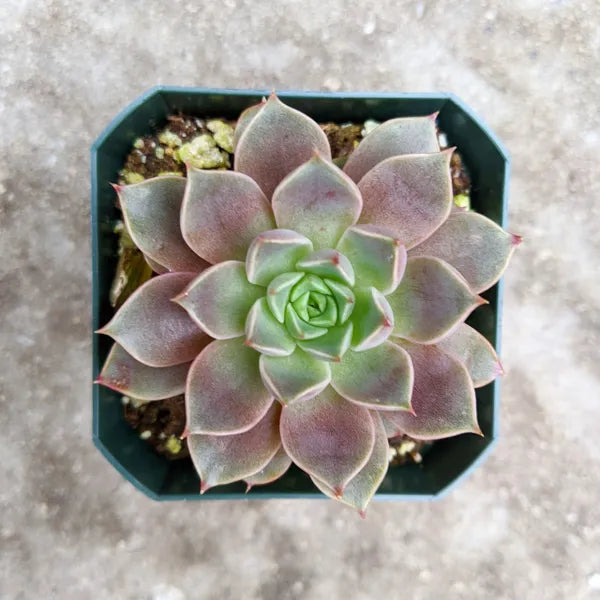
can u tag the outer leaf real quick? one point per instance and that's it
(265, 334)
(362, 487)
(127, 375)
(328, 263)
(411, 195)
(278, 293)
(475, 352)
(244, 120)
(219, 299)
(295, 377)
(380, 378)
(273, 253)
(157, 267)
(412, 135)
(221, 459)
(278, 140)
(430, 300)
(331, 346)
(151, 213)
(443, 397)
(474, 245)
(378, 257)
(224, 393)
(273, 470)
(317, 200)
(222, 213)
(328, 437)
(154, 330)
(373, 319)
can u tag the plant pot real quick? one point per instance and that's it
(448, 460)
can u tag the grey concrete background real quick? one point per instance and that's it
(525, 526)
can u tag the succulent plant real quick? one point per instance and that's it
(309, 313)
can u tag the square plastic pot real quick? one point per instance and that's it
(448, 461)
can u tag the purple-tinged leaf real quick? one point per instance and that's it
(378, 257)
(155, 330)
(364, 484)
(373, 319)
(430, 300)
(332, 345)
(411, 195)
(244, 120)
(443, 398)
(222, 213)
(475, 352)
(328, 263)
(157, 267)
(329, 437)
(408, 135)
(221, 459)
(380, 378)
(273, 470)
(277, 141)
(225, 393)
(125, 374)
(317, 200)
(219, 299)
(265, 334)
(273, 253)
(151, 211)
(474, 245)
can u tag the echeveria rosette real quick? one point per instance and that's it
(308, 312)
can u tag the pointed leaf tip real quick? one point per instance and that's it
(516, 239)
(363, 514)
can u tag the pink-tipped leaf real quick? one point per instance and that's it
(222, 213)
(328, 263)
(373, 319)
(475, 352)
(125, 374)
(265, 333)
(431, 299)
(155, 330)
(317, 200)
(410, 194)
(221, 459)
(328, 437)
(473, 244)
(244, 120)
(276, 141)
(443, 398)
(272, 471)
(224, 392)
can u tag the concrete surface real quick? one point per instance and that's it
(525, 526)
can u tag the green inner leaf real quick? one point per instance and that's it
(328, 316)
(309, 283)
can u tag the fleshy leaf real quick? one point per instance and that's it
(225, 393)
(373, 319)
(295, 377)
(378, 257)
(221, 459)
(411, 195)
(244, 120)
(328, 317)
(222, 213)
(219, 299)
(265, 334)
(155, 330)
(277, 141)
(430, 300)
(125, 374)
(474, 245)
(310, 283)
(328, 263)
(273, 470)
(344, 298)
(157, 267)
(300, 329)
(151, 212)
(380, 378)
(328, 437)
(474, 351)
(443, 398)
(273, 253)
(364, 484)
(409, 135)
(317, 200)
(330, 346)
(278, 293)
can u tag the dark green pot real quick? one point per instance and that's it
(449, 460)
